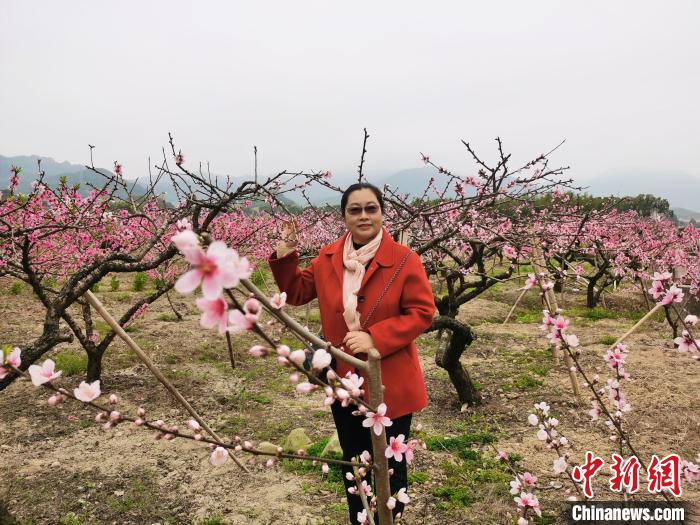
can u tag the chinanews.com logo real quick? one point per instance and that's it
(663, 475)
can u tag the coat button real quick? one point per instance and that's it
(361, 299)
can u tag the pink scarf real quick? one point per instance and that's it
(354, 262)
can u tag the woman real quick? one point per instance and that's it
(349, 277)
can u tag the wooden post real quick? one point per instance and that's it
(379, 444)
(97, 305)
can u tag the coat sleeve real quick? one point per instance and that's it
(417, 311)
(298, 284)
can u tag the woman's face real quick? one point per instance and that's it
(363, 216)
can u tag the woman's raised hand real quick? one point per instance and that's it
(289, 240)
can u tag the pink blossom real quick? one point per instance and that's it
(305, 388)
(664, 276)
(673, 295)
(528, 479)
(325, 468)
(283, 351)
(182, 225)
(377, 420)
(572, 340)
(220, 267)
(391, 503)
(214, 313)
(353, 383)
(44, 373)
(691, 320)
(218, 456)
(657, 288)
(526, 500)
(502, 456)
(186, 239)
(321, 359)
(530, 281)
(402, 496)
(238, 321)
(87, 392)
(252, 309)
(411, 446)
(543, 407)
(297, 357)
(278, 300)
(509, 252)
(362, 517)
(560, 465)
(396, 447)
(686, 343)
(14, 358)
(258, 351)
(193, 425)
(533, 420)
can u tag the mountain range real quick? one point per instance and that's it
(681, 189)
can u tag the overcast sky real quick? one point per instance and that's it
(619, 80)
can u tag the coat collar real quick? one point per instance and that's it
(385, 255)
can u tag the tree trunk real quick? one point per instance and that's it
(94, 365)
(447, 357)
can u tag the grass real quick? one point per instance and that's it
(217, 519)
(17, 288)
(138, 498)
(418, 477)
(607, 340)
(527, 382)
(332, 482)
(262, 399)
(460, 445)
(71, 363)
(467, 481)
(529, 317)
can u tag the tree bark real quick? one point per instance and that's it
(448, 357)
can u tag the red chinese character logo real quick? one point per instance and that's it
(665, 474)
(625, 474)
(585, 473)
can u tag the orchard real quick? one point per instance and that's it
(152, 372)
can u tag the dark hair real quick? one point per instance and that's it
(361, 186)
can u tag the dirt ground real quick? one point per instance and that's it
(58, 466)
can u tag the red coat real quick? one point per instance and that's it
(404, 313)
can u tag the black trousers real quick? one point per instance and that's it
(354, 439)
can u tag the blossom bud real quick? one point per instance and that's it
(297, 357)
(349, 476)
(283, 351)
(247, 444)
(138, 422)
(194, 425)
(419, 427)
(331, 375)
(113, 400)
(294, 378)
(107, 425)
(115, 417)
(101, 417)
(141, 412)
(325, 468)
(238, 448)
(197, 437)
(270, 463)
(54, 400)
